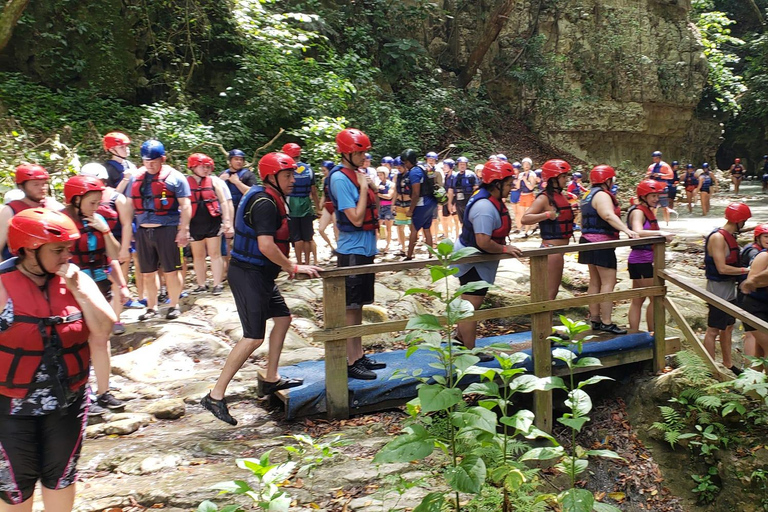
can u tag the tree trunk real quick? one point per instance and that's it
(8, 18)
(496, 23)
(756, 10)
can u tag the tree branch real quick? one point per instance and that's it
(8, 18)
(496, 23)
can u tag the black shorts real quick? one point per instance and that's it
(206, 227)
(44, 448)
(601, 258)
(719, 319)
(157, 247)
(640, 270)
(105, 287)
(256, 297)
(301, 228)
(359, 287)
(672, 192)
(757, 308)
(472, 277)
(461, 206)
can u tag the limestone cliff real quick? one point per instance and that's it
(609, 81)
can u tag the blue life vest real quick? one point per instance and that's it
(561, 227)
(499, 235)
(237, 196)
(691, 180)
(592, 223)
(464, 182)
(748, 253)
(371, 218)
(245, 247)
(706, 182)
(303, 179)
(710, 269)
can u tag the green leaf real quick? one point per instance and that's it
(522, 420)
(465, 361)
(424, 291)
(490, 389)
(572, 466)
(526, 383)
(233, 486)
(424, 322)
(207, 506)
(545, 453)
(445, 247)
(459, 309)
(468, 476)
(606, 454)
(604, 507)
(464, 252)
(579, 402)
(574, 423)
(576, 500)
(432, 502)
(471, 287)
(553, 383)
(564, 355)
(438, 398)
(475, 418)
(592, 380)
(438, 272)
(586, 362)
(415, 445)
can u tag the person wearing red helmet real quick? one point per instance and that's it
(552, 211)
(210, 218)
(707, 181)
(737, 174)
(303, 204)
(642, 220)
(600, 213)
(52, 316)
(354, 200)
(722, 270)
(486, 227)
(691, 184)
(160, 201)
(259, 252)
(748, 254)
(119, 168)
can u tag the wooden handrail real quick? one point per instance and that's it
(352, 331)
(716, 301)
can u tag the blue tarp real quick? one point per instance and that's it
(309, 398)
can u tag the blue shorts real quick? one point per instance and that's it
(514, 196)
(385, 212)
(422, 216)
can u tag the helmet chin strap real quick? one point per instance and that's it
(345, 158)
(276, 186)
(45, 273)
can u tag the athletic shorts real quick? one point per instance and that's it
(601, 258)
(526, 200)
(301, 228)
(40, 448)
(360, 288)
(672, 192)
(663, 201)
(461, 207)
(256, 297)
(422, 216)
(209, 228)
(720, 319)
(640, 270)
(105, 287)
(690, 188)
(472, 277)
(514, 196)
(757, 308)
(385, 212)
(157, 248)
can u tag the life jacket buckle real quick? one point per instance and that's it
(53, 320)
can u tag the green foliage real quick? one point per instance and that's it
(706, 489)
(179, 128)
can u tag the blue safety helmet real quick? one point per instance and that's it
(397, 161)
(689, 166)
(367, 156)
(328, 164)
(387, 160)
(517, 165)
(705, 165)
(236, 152)
(152, 149)
(432, 154)
(675, 162)
(656, 153)
(449, 162)
(462, 159)
(576, 175)
(502, 157)
(765, 157)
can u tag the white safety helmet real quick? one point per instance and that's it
(94, 169)
(528, 160)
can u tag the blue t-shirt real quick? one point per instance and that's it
(485, 219)
(351, 242)
(98, 274)
(177, 183)
(419, 175)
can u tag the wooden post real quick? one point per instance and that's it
(541, 329)
(659, 313)
(335, 315)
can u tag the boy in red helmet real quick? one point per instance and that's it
(119, 168)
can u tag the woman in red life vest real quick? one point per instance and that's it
(210, 218)
(552, 211)
(642, 220)
(748, 254)
(52, 314)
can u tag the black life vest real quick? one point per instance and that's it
(204, 193)
(464, 182)
(371, 219)
(690, 179)
(561, 227)
(245, 246)
(162, 199)
(499, 235)
(748, 253)
(592, 223)
(710, 269)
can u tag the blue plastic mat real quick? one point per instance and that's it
(309, 398)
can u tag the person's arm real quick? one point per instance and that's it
(415, 195)
(5, 216)
(636, 222)
(604, 207)
(185, 207)
(226, 219)
(315, 197)
(391, 194)
(125, 213)
(717, 249)
(540, 210)
(97, 312)
(356, 215)
(235, 180)
(123, 183)
(758, 274)
(269, 249)
(97, 222)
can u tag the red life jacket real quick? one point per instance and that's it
(500, 234)
(371, 219)
(710, 269)
(204, 193)
(108, 208)
(19, 206)
(650, 219)
(164, 200)
(561, 227)
(89, 259)
(283, 233)
(28, 342)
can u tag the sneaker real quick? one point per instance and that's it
(484, 358)
(182, 296)
(118, 328)
(372, 364)
(163, 295)
(613, 329)
(736, 370)
(174, 313)
(596, 325)
(218, 408)
(149, 314)
(217, 289)
(135, 304)
(94, 409)
(358, 371)
(267, 388)
(110, 402)
(143, 302)
(200, 289)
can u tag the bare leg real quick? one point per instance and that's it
(354, 345)
(198, 260)
(174, 282)
(276, 339)
(428, 236)
(468, 330)
(388, 224)
(60, 500)
(594, 289)
(709, 340)
(725, 345)
(213, 246)
(607, 284)
(307, 251)
(401, 236)
(412, 242)
(750, 344)
(636, 306)
(150, 288)
(235, 360)
(300, 251)
(100, 358)
(555, 263)
(21, 507)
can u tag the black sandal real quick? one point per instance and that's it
(218, 408)
(267, 388)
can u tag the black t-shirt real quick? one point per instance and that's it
(115, 173)
(262, 216)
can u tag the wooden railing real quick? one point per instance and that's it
(335, 333)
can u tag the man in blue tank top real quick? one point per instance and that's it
(303, 203)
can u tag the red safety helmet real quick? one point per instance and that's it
(737, 161)
(196, 159)
(80, 185)
(292, 149)
(495, 170)
(273, 163)
(761, 229)
(351, 140)
(553, 169)
(737, 212)
(113, 139)
(646, 187)
(27, 172)
(33, 227)
(601, 174)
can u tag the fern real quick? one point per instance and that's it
(694, 368)
(670, 415)
(713, 403)
(661, 427)
(671, 437)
